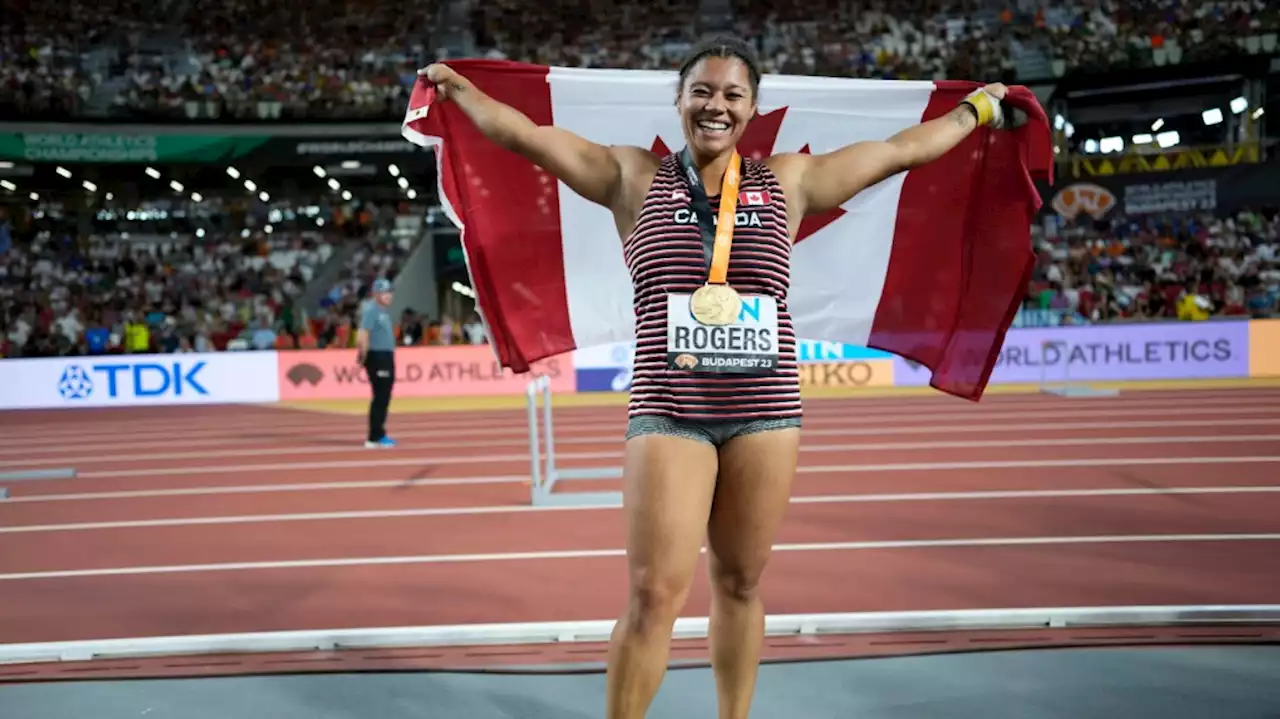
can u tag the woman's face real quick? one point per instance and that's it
(715, 104)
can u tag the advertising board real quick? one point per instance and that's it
(138, 380)
(1264, 348)
(1148, 351)
(420, 372)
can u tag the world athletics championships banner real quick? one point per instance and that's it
(1147, 351)
(1117, 352)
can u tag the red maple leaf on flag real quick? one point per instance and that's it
(757, 143)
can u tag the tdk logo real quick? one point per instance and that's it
(75, 383)
(127, 379)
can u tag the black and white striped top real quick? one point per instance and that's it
(665, 254)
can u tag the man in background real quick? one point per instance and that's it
(375, 351)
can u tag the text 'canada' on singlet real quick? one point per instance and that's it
(665, 255)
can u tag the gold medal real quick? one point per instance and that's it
(715, 304)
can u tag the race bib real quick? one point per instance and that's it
(748, 346)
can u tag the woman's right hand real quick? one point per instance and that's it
(444, 78)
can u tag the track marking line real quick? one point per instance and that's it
(479, 510)
(809, 431)
(451, 425)
(421, 461)
(600, 553)
(133, 457)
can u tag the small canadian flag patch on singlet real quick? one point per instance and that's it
(748, 199)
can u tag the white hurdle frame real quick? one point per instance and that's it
(1066, 388)
(543, 472)
(31, 475)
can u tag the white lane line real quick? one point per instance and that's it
(527, 509)
(1006, 443)
(63, 453)
(268, 488)
(420, 461)
(598, 553)
(452, 426)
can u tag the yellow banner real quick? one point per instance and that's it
(1170, 160)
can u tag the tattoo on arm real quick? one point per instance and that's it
(457, 87)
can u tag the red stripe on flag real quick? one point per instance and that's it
(957, 277)
(511, 220)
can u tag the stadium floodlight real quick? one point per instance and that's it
(177, 186)
(63, 171)
(89, 186)
(234, 173)
(334, 184)
(1212, 116)
(395, 171)
(403, 183)
(197, 197)
(199, 232)
(6, 165)
(1157, 124)
(1070, 130)
(1239, 105)
(1112, 144)
(1167, 139)
(111, 196)
(346, 195)
(8, 185)
(250, 185)
(35, 196)
(264, 196)
(1143, 139)
(464, 290)
(1257, 113)
(351, 164)
(412, 194)
(153, 173)
(1059, 122)
(1090, 145)
(318, 170)
(268, 229)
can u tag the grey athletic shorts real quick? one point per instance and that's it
(713, 433)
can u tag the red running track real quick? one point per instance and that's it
(245, 519)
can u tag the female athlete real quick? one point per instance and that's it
(713, 439)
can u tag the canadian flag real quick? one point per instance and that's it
(930, 264)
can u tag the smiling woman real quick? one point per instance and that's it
(714, 418)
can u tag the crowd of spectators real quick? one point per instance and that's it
(64, 293)
(1187, 267)
(235, 285)
(252, 59)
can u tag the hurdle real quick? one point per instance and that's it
(544, 473)
(31, 475)
(1066, 388)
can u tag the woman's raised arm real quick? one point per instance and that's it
(591, 170)
(829, 180)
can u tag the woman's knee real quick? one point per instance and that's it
(736, 582)
(656, 597)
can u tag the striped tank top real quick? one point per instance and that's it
(665, 254)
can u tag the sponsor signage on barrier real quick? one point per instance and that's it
(1161, 350)
(607, 368)
(865, 373)
(1264, 348)
(420, 372)
(138, 380)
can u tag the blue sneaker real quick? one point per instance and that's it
(384, 443)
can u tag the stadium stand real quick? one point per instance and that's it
(226, 271)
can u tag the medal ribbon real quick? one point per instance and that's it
(719, 244)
